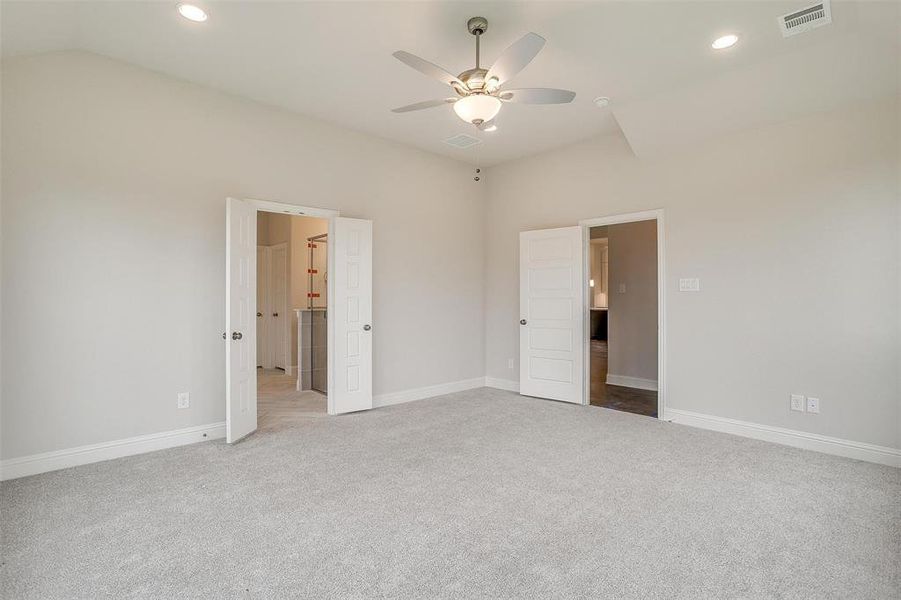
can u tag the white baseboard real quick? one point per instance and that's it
(632, 382)
(502, 384)
(82, 455)
(789, 437)
(426, 392)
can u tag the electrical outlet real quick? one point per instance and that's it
(690, 285)
(797, 402)
(510, 363)
(622, 288)
(813, 405)
(184, 400)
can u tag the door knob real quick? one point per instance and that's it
(367, 327)
(522, 321)
(237, 335)
(274, 314)
(259, 314)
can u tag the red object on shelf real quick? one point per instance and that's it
(311, 245)
(312, 294)
(314, 271)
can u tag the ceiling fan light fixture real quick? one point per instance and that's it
(477, 108)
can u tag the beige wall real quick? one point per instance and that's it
(262, 229)
(632, 315)
(793, 231)
(303, 228)
(122, 175)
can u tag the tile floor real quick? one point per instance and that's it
(279, 402)
(639, 402)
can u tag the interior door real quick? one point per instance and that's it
(278, 303)
(262, 307)
(350, 324)
(551, 287)
(240, 319)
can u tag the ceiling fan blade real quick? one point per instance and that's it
(422, 105)
(427, 68)
(537, 96)
(515, 58)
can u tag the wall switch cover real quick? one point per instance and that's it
(813, 405)
(797, 402)
(184, 400)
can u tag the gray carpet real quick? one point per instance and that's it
(480, 494)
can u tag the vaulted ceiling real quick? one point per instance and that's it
(332, 60)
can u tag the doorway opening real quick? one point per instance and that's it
(559, 297)
(292, 301)
(623, 327)
(344, 298)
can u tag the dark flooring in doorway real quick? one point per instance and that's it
(617, 397)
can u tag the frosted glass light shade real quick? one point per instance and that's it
(477, 107)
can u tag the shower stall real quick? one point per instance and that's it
(317, 302)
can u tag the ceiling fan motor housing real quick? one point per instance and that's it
(474, 79)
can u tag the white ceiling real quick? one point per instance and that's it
(332, 60)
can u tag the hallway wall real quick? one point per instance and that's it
(632, 314)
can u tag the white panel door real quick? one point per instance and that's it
(240, 319)
(262, 306)
(350, 321)
(551, 287)
(278, 304)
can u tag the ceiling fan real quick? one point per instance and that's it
(479, 93)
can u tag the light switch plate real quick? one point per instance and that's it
(797, 402)
(622, 288)
(813, 405)
(184, 400)
(690, 284)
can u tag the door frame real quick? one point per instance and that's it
(587, 224)
(319, 213)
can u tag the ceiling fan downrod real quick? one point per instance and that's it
(477, 26)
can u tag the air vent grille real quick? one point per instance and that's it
(461, 140)
(806, 19)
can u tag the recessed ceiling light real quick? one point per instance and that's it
(602, 101)
(192, 13)
(726, 41)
